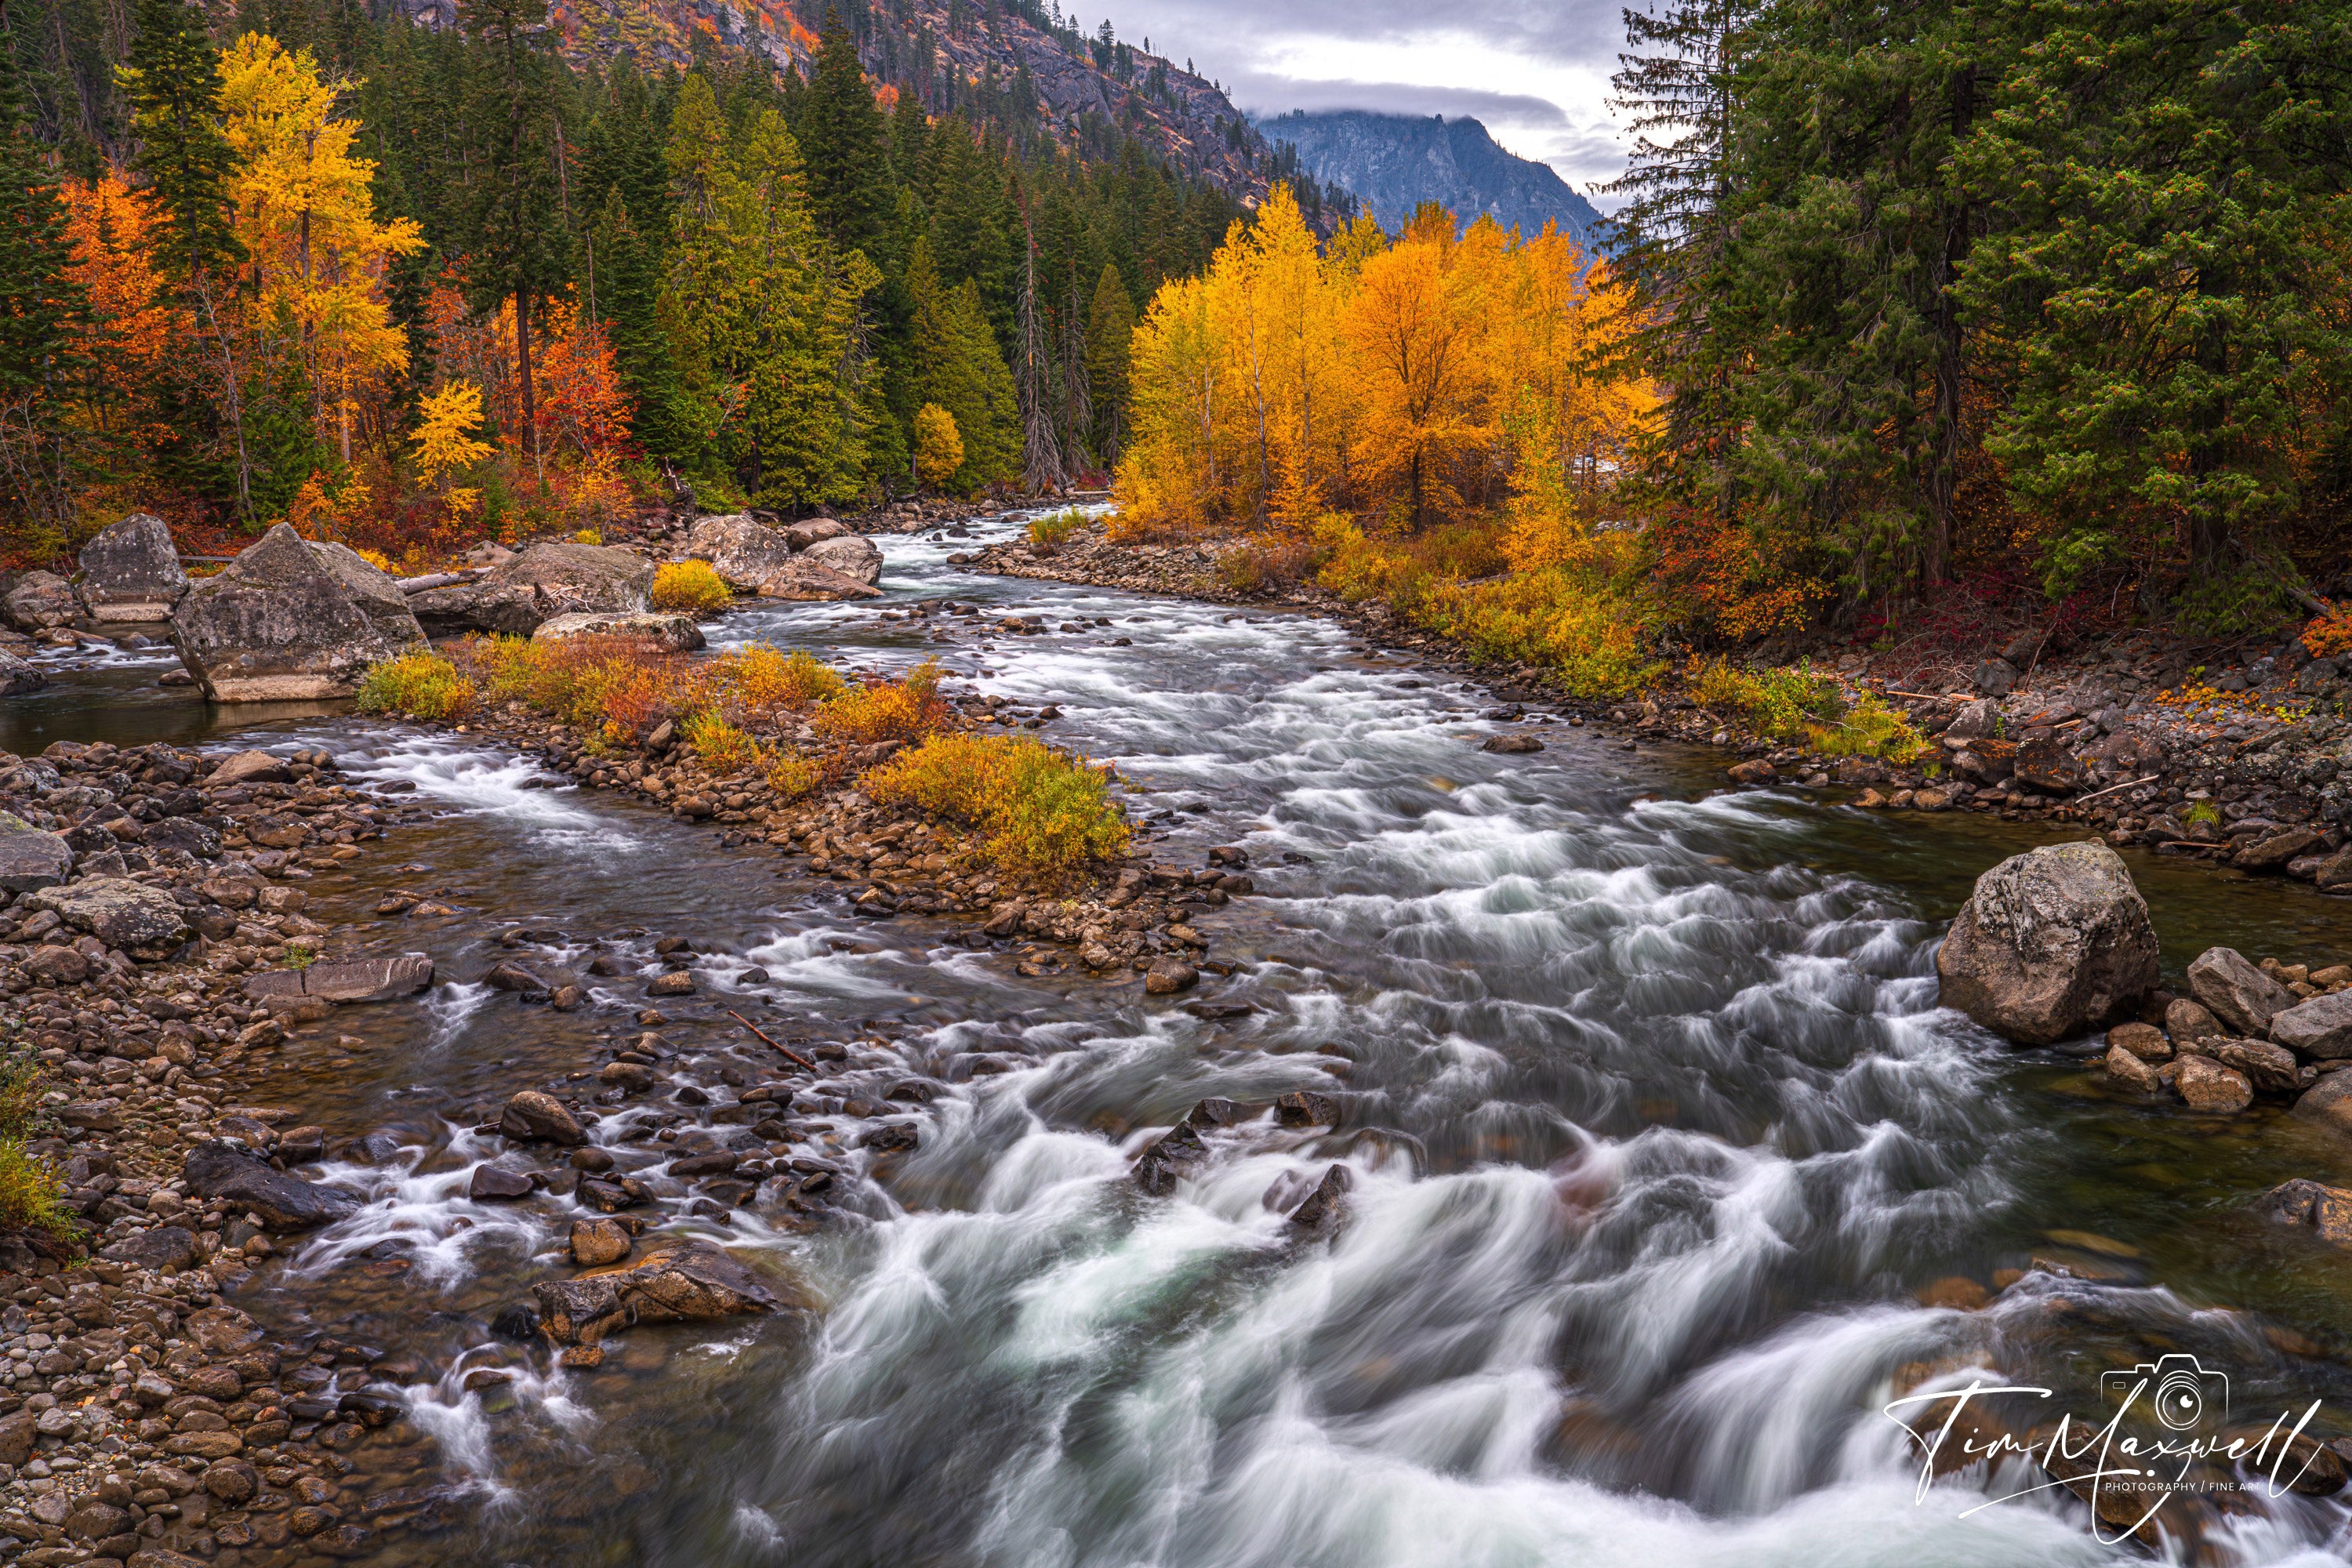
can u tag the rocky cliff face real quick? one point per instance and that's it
(1004, 61)
(1394, 162)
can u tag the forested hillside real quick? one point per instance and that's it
(408, 283)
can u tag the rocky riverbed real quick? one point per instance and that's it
(731, 1185)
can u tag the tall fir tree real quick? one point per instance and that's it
(43, 316)
(1110, 335)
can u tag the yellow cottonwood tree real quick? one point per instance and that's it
(307, 216)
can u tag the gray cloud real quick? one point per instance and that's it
(1229, 40)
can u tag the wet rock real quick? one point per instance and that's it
(1168, 975)
(609, 1195)
(2329, 1101)
(495, 1183)
(344, 981)
(743, 550)
(1512, 746)
(533, 1117)
(693, 1283)
(159, 1247)
(232, 1480)
(2187, 1019)
(185, 835)
(535, 585)
(284, 1203)
(847, 554)
(2207, 1086)
(1169, 1159)
(635, 1076)
(18, 676)
(511, 976)
(95, 1520)
(1305, 1108)
(803, 579)
(249, 767)
(140, 919)
(663, 630)
(2134, 1071)
(675, 983)
(2142, 1040)
(131, 572)
(598, 1242)
(2270, 853)
(2326, 1211)
(30, 858)
(2235, 991)
(1217, 1112)
(291, 619)
(2320, 1028)
(1324, 1204)
(39, 599)
(2333, 874)
(2269, 1068)
(891, 1138)
(1756, 771)
(2051, 942)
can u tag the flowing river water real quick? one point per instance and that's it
(1656, 1131)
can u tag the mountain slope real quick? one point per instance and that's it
(1021, 69)
(1395, 162)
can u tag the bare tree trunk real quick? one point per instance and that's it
(1040, 457)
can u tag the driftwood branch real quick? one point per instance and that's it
(762, 1034)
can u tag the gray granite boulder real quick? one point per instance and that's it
(535, 585)
(2235, 991)
(144, 921)
(18, 676)
(740, 549)
(131, 572)
(344, 980)
(2052, 943)
(291, 620)
(31, 860)
(2320, 1028)
(39, 599)
(664, 629)
(283, 1202)
(849, 555)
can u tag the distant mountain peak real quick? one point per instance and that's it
(1393, 163)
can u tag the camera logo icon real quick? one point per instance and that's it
(2178, 1388)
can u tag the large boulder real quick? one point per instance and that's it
(30, 858)
(2320, 1028)
(2329, 1101)
(38, 601)
(663, 630)
(804, 578)
(2235, 991)
(144, 921)
(284, 1203)
(694, 1283)
(2052, 943)
(849, 555)
(131, 572)
(18, 676)
(743, 550)
(291, 619)
(812, 530)
(344, 980)
(535, 585)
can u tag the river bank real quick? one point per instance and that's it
(1644, 1102)
(2236, 755)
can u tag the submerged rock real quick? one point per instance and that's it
(693, 1283)
(531, 1116)
(2325, 1211)
(131, 572)
(283, 1202)
(344, 980)
(290, 619)
(2052, 943)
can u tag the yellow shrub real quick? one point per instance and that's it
(375, 558)
(792, 776)
(939, 446)
(425, 684)
(765, 679)
(692, 586)
(1803, 709)
(590, 536)
(1042, 814)
(721, 746)
(886, 709)
(620, 686)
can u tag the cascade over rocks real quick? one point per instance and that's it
(131, 572)
(291, 620)
(534, 586)
(694, 1283)
(2052, 943)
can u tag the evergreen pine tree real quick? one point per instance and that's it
(959, 367)
(42, 312)
(1110, 331)
(845, 151)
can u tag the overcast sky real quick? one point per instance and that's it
(1536, 71)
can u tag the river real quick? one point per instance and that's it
(1656, 1129)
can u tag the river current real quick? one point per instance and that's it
(1656, 1133)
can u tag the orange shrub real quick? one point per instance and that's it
(765, 680)
(887, 709)
(623, 685)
